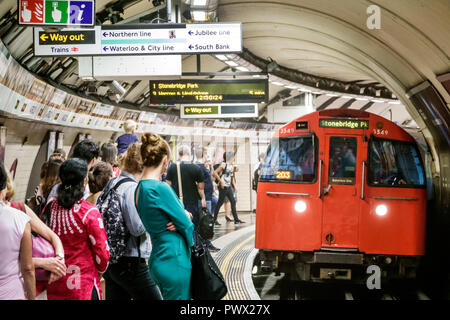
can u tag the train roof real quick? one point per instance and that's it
(350, 121)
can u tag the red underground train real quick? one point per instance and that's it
(339, 191)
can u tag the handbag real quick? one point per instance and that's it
(207, 282)
(41, 248)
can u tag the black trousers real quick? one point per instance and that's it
(226, 192)
(128, 279)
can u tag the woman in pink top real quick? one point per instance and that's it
(17, 280)
(80, 228)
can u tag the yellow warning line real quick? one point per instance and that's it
(226, 261)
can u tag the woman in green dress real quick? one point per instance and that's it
(158, 205)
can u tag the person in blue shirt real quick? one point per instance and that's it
(128, 138)
(201, 154)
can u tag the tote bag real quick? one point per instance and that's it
(207, 282)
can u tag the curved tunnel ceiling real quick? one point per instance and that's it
(326, 38)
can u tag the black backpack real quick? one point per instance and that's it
(108, 203)
(206, 224)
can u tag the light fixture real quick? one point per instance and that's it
(381, 210)
(394, 102)
(231, 63)
(300, 206)
(347, 97)
(199, 15)
(277, 83)
(221, 57)
(377, 101)
(332, 95)
(199, 3)
(242, 68)
(362, 99)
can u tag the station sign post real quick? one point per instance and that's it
(150, 39)
(56, 12)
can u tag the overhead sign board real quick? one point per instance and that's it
(196, 91)
(66, 42)
(152, 39)
(235, 110)
(56, 12)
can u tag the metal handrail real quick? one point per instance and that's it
(395, 198)
(320, 178)
(363, 176)
(287, 194)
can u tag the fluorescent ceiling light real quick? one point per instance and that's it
(291, 87)
(304, 90)
(362, 99)
(347, 97)
(198, 15)
(332, 95)
(377, 101)
(316, 92)
(242, 68)
(394, 102)
(221, 57)
(199, 2)
(231, 63)
(231, 56)
(277, 83)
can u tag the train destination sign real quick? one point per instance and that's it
(151, 39)
(344, 123)
(219, 110)
(205, 91)
(57, 12)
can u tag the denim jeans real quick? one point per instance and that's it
(129, 279)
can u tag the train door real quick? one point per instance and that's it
(341, 178)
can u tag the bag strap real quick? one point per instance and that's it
(180, 186)
(122, 181)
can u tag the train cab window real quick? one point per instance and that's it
(290, 159)
(394, 163)
(342, 160)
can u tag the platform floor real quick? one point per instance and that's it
(235, 259)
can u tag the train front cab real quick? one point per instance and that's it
(341, 191)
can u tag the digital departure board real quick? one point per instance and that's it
(344, 124)
(207, 91)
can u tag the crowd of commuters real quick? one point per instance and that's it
(159, 201)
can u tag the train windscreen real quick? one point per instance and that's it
(290, 159)
(394, 163)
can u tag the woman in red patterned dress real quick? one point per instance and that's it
(80, 227)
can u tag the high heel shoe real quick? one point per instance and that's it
(228, 219)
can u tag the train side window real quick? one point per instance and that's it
(290, 159)
(342, 160)
(394, 163)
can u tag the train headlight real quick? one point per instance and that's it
(381, 210)
(300, 206)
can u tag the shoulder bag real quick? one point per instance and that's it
(41, 248)
(207, 282)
